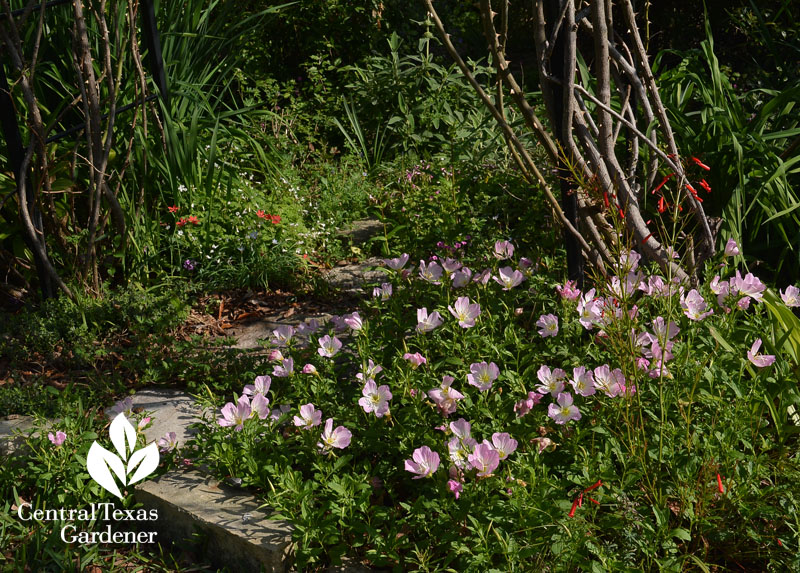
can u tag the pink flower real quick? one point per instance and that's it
(259, 406)
(309, 327)
(427, 323)
(456, 487)
(276, 413)
(462, 277)
(310, 369)
(548, 325)
(424, 462)
(384, 292)
(459, 450)
(629, 262)
(731, 248)
(568, 291)
(542, 444)
(354, 322)
(791, 297)
(339, 325)
(282, 335)
(445, 397)
(376, 399)
(235, 414)
(431, 272)
(124, 406)
(504, 444)
(609, 382)
(524, 406)
(485, 459)
(482, 375)
(461, 428)
(275, 355)
(582, 381)
(664, 331)
(750, 285)
(693, 306)
(285, 369)
(260, 386)
(465, 312)
(483, 277)
(590, 310)
(328, 347)
(309, 417)
(552, 382)
(58, 438)
(509, 278)
(503, 250)
(450, 265)
(416, 359)
(369, 372)
(397, 263)
(338, 438)
(564, 411)
(760, 360)
(168, 443)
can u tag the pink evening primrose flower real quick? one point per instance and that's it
(455, 487)
(310, 369)
(791, 296)
(58, 438)
(328, 347)
(664, 331)
(565, 410)
(509, 278)
(760, 360)
(369, 372)
(383, 292)
(462, 277)
(568, 291)
(309, 327)
(629, 262)
(465, 311)
(731, 248)
(524, 406)
(339, 325)
(583, 381)
(426, 322)
(235, 414)
(415, 359)
(481, 375)
(376, 399)
(259, 406)
(451, 265)
(483, 277)
(282, 335)
(504, 444)
(309, 417)
(609, 382)
(459, 450)
(552, 382)
(124, 406)
(275, 355)
(260, 386)
(431, 272)
(278, 412)
(338, 438)
(424, 462)
(484, 458)
(445, 397)
(461, 428)
(750, 285)
(168, 443)
(503, 250)
(397, 263)
(694, 305)
(284, 369)
(548, 325)
(354, 321)
(589, 309)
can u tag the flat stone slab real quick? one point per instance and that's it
(363, 230)
(172, 411)
(353, 277)
(13, 430)
(237, 534)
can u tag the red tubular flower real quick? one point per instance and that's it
(701, 164)
(579, 500)
(663, 181)
(705, 186)
(662, 205)
(719, 484)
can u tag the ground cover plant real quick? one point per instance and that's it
(479, 415)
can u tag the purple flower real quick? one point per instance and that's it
(339, 325)
(568, 291)
(168, 443)
(760, 360)
(552, 382)
(58, 438)
(338, 438)
(427, 323)
(582, 381)
(398, 263)
(456, 487)
(124, 406)
(424, 462)
(235, 414)
(376, 399)
(445, 397)
(309, 417)
(694, 305)
(509, 278)
(465, 312)
(328, 347)
(416, 359)
(504, 444)
(431, 272)
(260, 386)
(189, 264)
(503, 250)
(309, 327)
(285, 369)
(548, 325)
(282, 335)
(791, 297)
(564, 411)
(485, 459)
(524, 406)
(731, 248)
(482, 375)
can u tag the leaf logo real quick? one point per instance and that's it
(103, 464)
